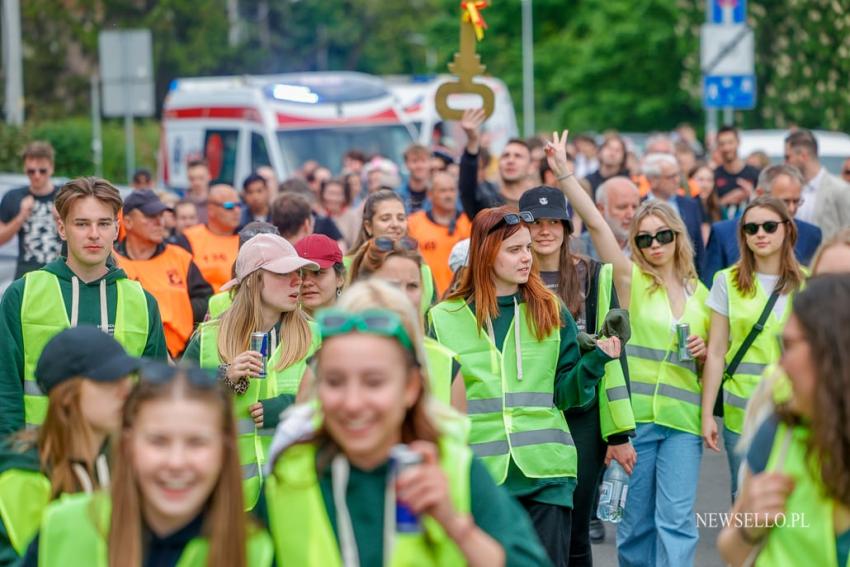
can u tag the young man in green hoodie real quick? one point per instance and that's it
(80, 289)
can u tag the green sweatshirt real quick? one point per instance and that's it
(13, 458)
(576, 378)
(11, 345)
(493, 510)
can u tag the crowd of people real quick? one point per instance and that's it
(429, 368)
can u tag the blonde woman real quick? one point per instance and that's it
(265, 300)
(660, 288)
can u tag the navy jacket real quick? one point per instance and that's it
(722, 250)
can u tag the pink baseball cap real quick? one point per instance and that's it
(268, 252)
(320, 249)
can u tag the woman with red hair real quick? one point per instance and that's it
(522, 367)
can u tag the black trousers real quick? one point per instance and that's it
(552, 524)
(591, 450)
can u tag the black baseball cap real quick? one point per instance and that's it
(85, 352)
(146, 201)
(546, 203)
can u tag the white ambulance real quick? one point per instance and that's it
(238, 124)
(416, 96)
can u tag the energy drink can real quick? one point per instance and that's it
(260, 343)
(402, 459)
(683, 331)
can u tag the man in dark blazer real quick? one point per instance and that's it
(662, 173)
(785, 182)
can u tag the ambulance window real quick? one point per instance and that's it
(220, 150)
(259, 153)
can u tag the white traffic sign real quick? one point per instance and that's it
(727, 50)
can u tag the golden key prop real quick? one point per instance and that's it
(466, 66)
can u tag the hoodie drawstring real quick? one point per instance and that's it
(75, 304)
(517, 338)
(101, 469)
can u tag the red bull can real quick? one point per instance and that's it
(260, 343)
(402, 459)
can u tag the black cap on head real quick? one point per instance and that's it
(146, 201)
(85, 352)
(546, 203)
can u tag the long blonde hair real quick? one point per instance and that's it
(840, 238)
(683, 256)
(243, 318)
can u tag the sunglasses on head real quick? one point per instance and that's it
(160, 373)
(665, 236)
(512, 219)
(770, 227)
(227, 205)
(387, 244)
(334, 322)
(41, 170)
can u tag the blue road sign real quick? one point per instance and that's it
(729, 91)
(728, 11)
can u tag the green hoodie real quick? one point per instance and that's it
(11, 345)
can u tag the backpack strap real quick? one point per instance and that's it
(751, 337)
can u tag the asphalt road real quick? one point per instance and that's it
(713, 496)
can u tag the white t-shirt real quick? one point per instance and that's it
(718, 297)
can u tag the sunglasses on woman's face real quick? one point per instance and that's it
(160, 373)
(512, 219)
(665, 236)
(387, 244)
(752, 228)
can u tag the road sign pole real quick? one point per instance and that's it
(728, 116)
(96, 140)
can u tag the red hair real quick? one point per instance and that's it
(478, 286)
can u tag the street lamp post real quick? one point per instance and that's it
(527, 70)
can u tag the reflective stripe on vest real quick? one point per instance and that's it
(744, 311)
(24, 494)
(810, 538)
(302, 530)
(247, 439)
(77, 525)
(510, 419)
(665, 390)
(43, 315)
(615, 406)
(440, 365)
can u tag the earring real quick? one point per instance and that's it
(338, 291)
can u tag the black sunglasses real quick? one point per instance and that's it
(512, 219)
(387, 244)
(41, 170)
(160, 373)
(770, 227)
(665, 236)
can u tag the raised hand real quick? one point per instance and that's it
(471, 123)
(556, 154)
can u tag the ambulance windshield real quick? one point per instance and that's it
(328, 145)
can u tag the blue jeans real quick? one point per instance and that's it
(658, 526)
(730, 441)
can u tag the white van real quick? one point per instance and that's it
(833, 147)
(416, 96)
(238, 124)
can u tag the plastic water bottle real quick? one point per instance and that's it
(612, 493)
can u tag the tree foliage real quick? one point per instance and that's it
(627, 64)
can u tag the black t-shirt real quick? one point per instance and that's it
(724, 181)
(326, 225)
(38, 238)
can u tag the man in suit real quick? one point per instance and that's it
(662, 173)
(785, 182)
(826, 198)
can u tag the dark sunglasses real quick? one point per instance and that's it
(227, 205)
(160, 373)
(387, 244)
(770, 227)
(665, 236)
(512, 219)
(41, 170)
(333, 322)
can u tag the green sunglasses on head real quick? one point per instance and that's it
(334, 322)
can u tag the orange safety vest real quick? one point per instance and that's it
(643, 187)
(213, 254)
(165, 276)
(435, 244)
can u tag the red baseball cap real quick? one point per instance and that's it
(319, 249)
